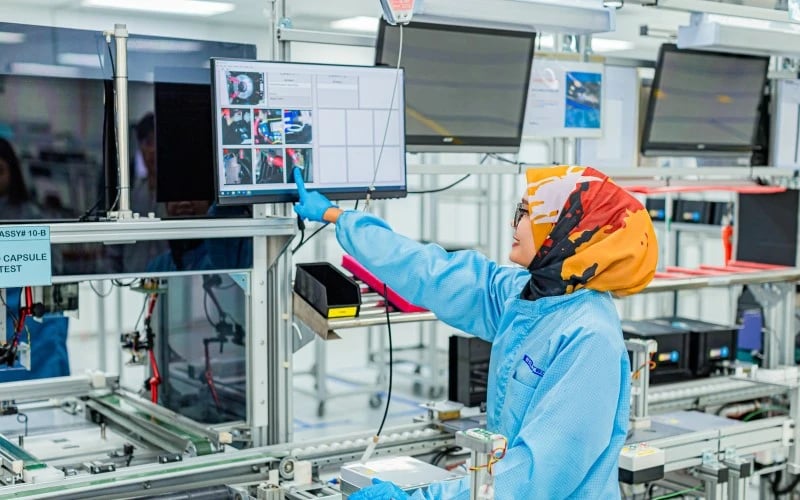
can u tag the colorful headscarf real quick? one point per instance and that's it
(588, 232)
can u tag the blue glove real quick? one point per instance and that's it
(312, 205)
(380, 491)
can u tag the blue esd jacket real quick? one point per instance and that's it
(559, 374)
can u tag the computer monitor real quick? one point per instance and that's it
(704, 103)
(466, 87)
(184, 142)
(767, 228)
(343, 126)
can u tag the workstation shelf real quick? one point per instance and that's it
(373, 312)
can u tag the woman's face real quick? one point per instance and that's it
(5, 177)
(522, 248)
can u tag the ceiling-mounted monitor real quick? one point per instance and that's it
(704, 103)
(341, 125)
(466, 88)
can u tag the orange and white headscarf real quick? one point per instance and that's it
(588, 233)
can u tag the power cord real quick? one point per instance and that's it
(388, 117)
(391, 358)
(504, 160)
(777, 491)
(439, 190)
(304, 241)
(371, 446)
(456, 183)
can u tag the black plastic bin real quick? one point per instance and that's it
(331, 292)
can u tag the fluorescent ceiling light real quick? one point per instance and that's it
(38, 69)
(610, 45)
(79, 59)
(358, 23)
(11, 37)
(181, 7)
(156, 45)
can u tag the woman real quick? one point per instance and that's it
(559, 373)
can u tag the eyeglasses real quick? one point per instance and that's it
(520, 212)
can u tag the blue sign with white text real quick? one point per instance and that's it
(25, 256)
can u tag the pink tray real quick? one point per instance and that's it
(370, 279)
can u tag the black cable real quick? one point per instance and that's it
(504, 160)
(141, 313)
(121, 284)
(87, 214)
(302, 240)
(111, 58)
(391, 359)
(446, 452)
(295, 249)
(439, 190)
(786, 490)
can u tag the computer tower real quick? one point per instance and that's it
(469, 370)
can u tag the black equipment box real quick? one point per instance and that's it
(709, 343)
(672, 356)
(332, 293)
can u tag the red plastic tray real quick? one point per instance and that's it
(360, 272)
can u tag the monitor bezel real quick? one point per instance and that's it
(432, 143)
(290, 195)
(653, 148)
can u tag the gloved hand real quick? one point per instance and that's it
(312, 205)
(380, 490)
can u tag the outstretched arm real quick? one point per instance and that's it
(464, 289)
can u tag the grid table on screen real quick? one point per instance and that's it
(341, 125)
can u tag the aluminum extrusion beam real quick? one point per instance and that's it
(74, 385)
(151, 229)
(234, 467)
(217, 437)
(721, 8)
(707, 392)
(311, 36)
(750, 278)
(575, 17)
(614, 173)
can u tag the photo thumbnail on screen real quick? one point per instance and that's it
(301, 158)
(268, 127)
(270, 167)
(297, 126)
(235, 126)
(245, 87)
(238, 166)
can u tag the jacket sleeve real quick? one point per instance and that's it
(464, 289)
(448, 490)
(574, 430)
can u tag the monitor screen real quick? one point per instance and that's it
(767, 228)
(341, 125)
(466, 88)
(704, 102)
(184, 142)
